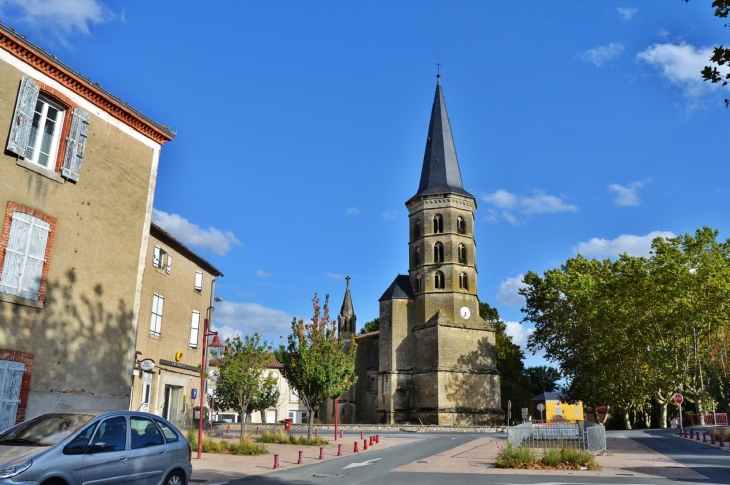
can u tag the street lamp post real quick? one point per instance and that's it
(216, 343)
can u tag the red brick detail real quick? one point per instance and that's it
(27, 359)
(5, 237)
(56, 70)
(69, 105)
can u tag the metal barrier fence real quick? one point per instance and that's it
(711, 419)
(579, 435)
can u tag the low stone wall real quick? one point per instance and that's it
(370, 428)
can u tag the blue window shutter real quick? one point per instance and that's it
(23, 116)
(75, 144)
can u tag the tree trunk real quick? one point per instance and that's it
(311, 424)
(605, 416)
(627, 420)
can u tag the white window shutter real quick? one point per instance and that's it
(198, 280)
(156, 257)
(11, 379)
(195, 329)
(169, 262)
(23, 116)
(75, 144)
(25, 256)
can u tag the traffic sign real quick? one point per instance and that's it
(678, 398)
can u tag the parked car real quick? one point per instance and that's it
(95, 447)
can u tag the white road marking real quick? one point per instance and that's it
(369, 462)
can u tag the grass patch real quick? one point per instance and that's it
(552, 458)
(245, 446)
(281, 437)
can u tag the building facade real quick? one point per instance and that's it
(178, 288)
(433, 358)
(77, 181)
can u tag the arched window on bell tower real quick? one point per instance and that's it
(461, 252)
(463, 281)
(417, 229)
(460, 225)
(419, 283)
(417, 257)
(439, 281)
(438, 253)
(438, 224)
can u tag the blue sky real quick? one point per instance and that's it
(302, 125)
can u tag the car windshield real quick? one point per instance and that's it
(46, 430)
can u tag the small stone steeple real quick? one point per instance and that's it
(346, 320)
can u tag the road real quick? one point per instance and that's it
(375, 467)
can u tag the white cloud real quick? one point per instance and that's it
(263, 274)
(231, 319)
(507, 204)
(626, 243)
(681, 65)
(63, 18)
(626, 196)
(352, 211)
(390, 215)
(626, 12)
(336, 276)
(601, 55)
(215, 240)
(519, 333)
(508, 291)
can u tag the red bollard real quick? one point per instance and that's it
(364, 444)
(697, 436)
(316, 432)
(722, 445)
(301, 458)
(371, 441)
(356, 450)
(276, 461)
(321, 452)
(257, 430)
(704, 438)
(692, 433)
(712, 439)
(342, 433)
(339, 450)
(377, 438)
(228, 428)
(362, 436)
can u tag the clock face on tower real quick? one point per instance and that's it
(465, 313)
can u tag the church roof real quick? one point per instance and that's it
(347, 310)
(400, 289)
(440, 173)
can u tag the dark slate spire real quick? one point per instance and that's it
(347, 310)
(346, 320)
(440, 173)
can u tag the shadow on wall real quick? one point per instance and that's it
(473, 389)
(80, 347)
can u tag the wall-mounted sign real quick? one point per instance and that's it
(193, 393)
(178, 355)
(147, 365)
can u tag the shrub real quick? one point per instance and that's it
(279, 436)
(718, 432)
(302, 440)
(247, 446)
(515, 457)
(192, 438)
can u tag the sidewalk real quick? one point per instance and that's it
(218, 468)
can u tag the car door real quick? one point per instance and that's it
(148, 453)
(105, 461)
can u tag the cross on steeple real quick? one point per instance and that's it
(438, 65)
(347, 278)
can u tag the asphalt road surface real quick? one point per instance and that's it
(375, 467)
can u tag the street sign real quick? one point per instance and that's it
(525, 413)
(678, 398)
(147, 365)
(541, 407)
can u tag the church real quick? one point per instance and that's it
(433, 358)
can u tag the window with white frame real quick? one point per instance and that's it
(293, 396)
(25, 256)
(156, 323)
(198, 280)
(195, 329)
(45, 133)
(162, 259)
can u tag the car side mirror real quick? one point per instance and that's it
(97, 447)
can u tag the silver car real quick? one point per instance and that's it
(94, 448)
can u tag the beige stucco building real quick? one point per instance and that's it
(77, 180)
(178, 288)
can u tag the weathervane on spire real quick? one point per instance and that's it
(347, 278)
(438, 64)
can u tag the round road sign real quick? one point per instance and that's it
(678, 398)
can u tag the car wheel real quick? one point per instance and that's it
(175, 478)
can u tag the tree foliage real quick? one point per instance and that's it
(317, 363)
(720, 55)
(244, 382)
(543, 379)
(371, 326)
(636, 330)
(513, 383)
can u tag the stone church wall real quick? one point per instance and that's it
(366, 387)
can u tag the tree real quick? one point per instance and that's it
(371, 326)
(721, 55)
(243, 379)
(267, 397)
(316, 362)
(543, 379)
(513, 383)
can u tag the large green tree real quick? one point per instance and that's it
(543, 378)
(513, 382)
(371, 326)
(243, 378)
(317, 363)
